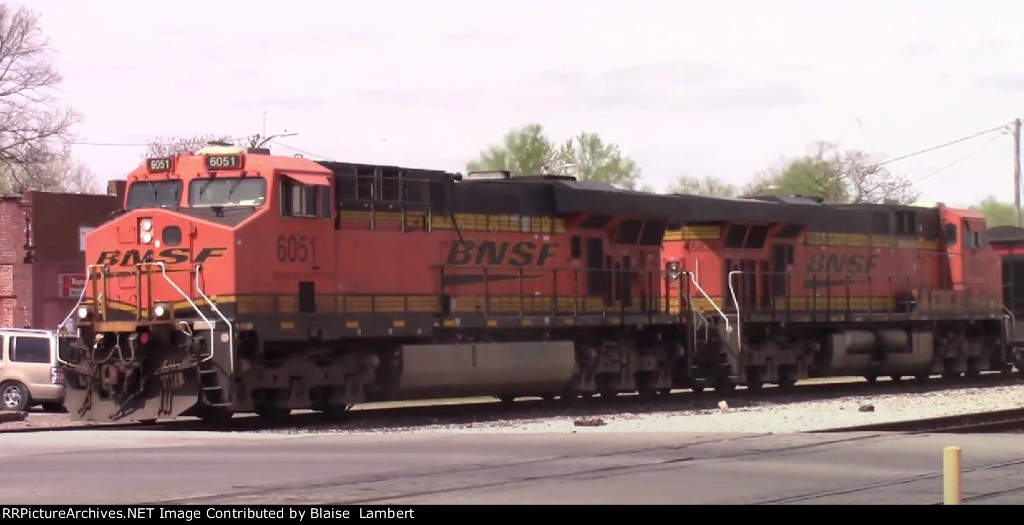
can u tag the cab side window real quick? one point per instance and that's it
(30, 350)
(302, 200)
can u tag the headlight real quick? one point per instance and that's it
(146, 225)
(159, 310)
(83, 312)
(146, 237)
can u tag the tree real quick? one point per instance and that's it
(62, 173)
(594, 160)
(31, 118)
(172, 147)
(708, 186)
(837, 176)
(522, 151)
(529, 151)
(996, 213)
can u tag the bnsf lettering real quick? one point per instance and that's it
(167, 256)
(525, 253)
(838, 263)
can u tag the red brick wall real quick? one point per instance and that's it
(15, 283)
(29, 291)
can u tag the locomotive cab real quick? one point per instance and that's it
(161, 298)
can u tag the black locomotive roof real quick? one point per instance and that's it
(1005, 234)
(560, 195)
(548, 195)
(556, 195)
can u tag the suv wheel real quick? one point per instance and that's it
(14, 397)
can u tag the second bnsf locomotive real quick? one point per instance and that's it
(239, 281)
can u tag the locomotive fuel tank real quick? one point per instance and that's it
(854, 352)
(484, 369)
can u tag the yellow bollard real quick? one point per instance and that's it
(951, 475)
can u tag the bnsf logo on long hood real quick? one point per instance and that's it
(166, 256)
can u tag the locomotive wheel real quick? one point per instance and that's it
(506, 399)
(724, 387)
(896, 378)
(755, 379)
(697, 389)
(871, 379)
(337, 410)
(647, 392)
(272, 412)
(609, 393)
(216, 416)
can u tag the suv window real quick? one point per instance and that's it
(30, 350)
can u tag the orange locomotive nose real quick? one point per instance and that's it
(145, 264)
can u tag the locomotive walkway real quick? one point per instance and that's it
(630, 468)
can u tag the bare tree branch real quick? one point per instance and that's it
(31, 117)
(61, 173)
(172, 147)
(840, 176)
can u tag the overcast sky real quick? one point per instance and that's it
(717, 88)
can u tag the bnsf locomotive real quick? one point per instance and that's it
(238, 281)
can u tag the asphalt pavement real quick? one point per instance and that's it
(138, 467)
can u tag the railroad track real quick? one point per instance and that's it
(374, 416)
(1010, 420)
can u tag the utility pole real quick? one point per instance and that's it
(1016, 169)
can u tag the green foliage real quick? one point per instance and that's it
(996, 213)
(708, 186)
(597, 161)
(837, 176)
(529, 151)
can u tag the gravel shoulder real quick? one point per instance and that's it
(774, 415)
(754, 416)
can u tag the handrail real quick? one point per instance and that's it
(163, 271)
(1013, 322)
(736, 304)
(728, 328)
(61, 330)
(231, 332)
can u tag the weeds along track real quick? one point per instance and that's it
(371, 416)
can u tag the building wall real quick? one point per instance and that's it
(31, 265)
(15, 281)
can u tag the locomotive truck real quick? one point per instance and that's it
(235, 280)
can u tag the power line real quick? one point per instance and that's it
(297, 150)
(959, 160)
(944, 145)
(131, 144)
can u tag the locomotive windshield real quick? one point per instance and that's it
(227, 191)
(154, 194)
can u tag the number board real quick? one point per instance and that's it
(223, 162)
(160, 165)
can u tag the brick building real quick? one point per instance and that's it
(42, 258)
